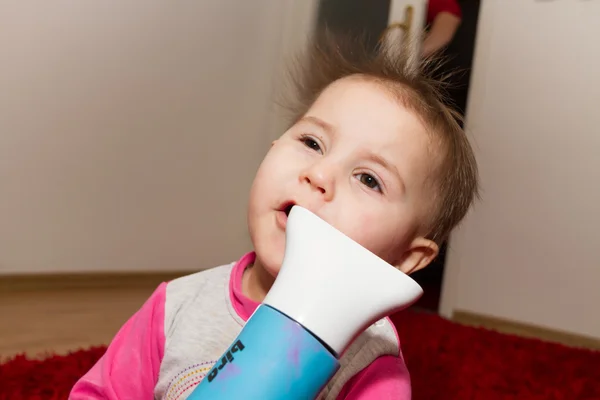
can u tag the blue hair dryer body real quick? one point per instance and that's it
(329, 289)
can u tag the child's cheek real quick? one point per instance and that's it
(365, 230)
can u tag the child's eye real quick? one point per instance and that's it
(310, 143)
(369, 181)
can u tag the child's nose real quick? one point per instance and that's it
(320, 178)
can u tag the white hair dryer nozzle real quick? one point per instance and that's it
(333, 286)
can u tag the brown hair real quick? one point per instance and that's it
(332, 57)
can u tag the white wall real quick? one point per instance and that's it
(529, 250)
(130, 131)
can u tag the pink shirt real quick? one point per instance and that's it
(131, 365)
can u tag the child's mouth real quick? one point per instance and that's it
(288, 208)
(283, 214)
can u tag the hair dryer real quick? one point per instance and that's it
(329, 290)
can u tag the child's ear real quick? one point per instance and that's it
(419, 255)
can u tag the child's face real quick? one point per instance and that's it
(360, 161)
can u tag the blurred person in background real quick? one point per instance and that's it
(443, 19)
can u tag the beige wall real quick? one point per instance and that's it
(130, 131)
(529, 251)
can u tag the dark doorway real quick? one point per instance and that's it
(370, 18)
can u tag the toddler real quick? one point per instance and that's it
(374, 152)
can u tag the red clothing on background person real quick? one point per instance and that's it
(436, 7)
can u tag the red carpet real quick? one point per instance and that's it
(451, 361)
(446, 360)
